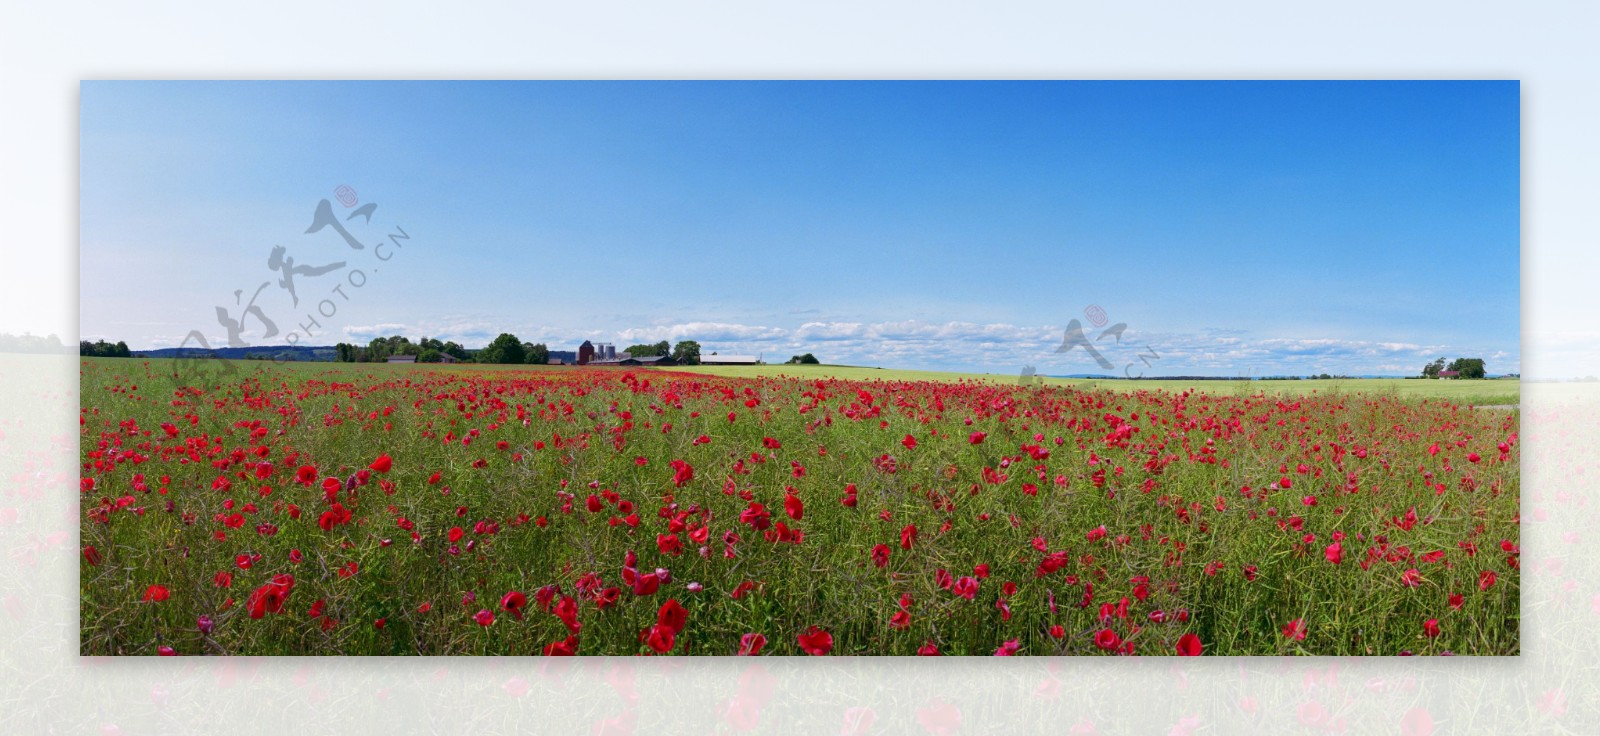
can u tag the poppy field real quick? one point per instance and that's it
(359, 509)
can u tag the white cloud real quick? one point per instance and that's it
(702, 332)
(378, 330)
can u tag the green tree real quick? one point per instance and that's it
(1431, 370)
(535, 353)
(686, 352)
(645, 351)
(428, 355)
(504, 349)
(807, 359)
(1469, 367)
(455, 350)
(378, 350)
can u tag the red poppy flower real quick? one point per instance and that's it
(756, 516)
(1295, 629)
(565, 648)
(156, 593)
(646, 584)
(750, 644)
(1430, 628)
(1334, 553)
(816, 641)
(1457, 600)
(976, 438)
(382, 464)
(928, 649)
(966, 587)
(483, 617)
(1411, 578)
(672, 615)
(1107, 639)
(880, 555)
(682, 473)
(1486, 580)
(1189, 645)
(513, 603)
(306, 475)
(908, 536)
(660, 638)
(269, 598)
(1008, 648)
(91, 555)
(899, 620)
(793, 507)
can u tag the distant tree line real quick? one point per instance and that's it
(506, 349)
(428, 350)
(807, 359)
(103, 349)
(31, 344)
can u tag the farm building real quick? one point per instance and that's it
(715, 359)
(1449, 374)
(402, 359)
(629, 360)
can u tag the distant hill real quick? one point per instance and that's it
(261, 352)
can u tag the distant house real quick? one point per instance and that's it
(448, 358)
(715, 359)
(585, 353)
(651, 361)
(563, 357)
(402, 359)
(1449, 374)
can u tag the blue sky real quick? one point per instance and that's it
(1234, 228)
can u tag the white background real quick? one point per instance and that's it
(46, 48)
